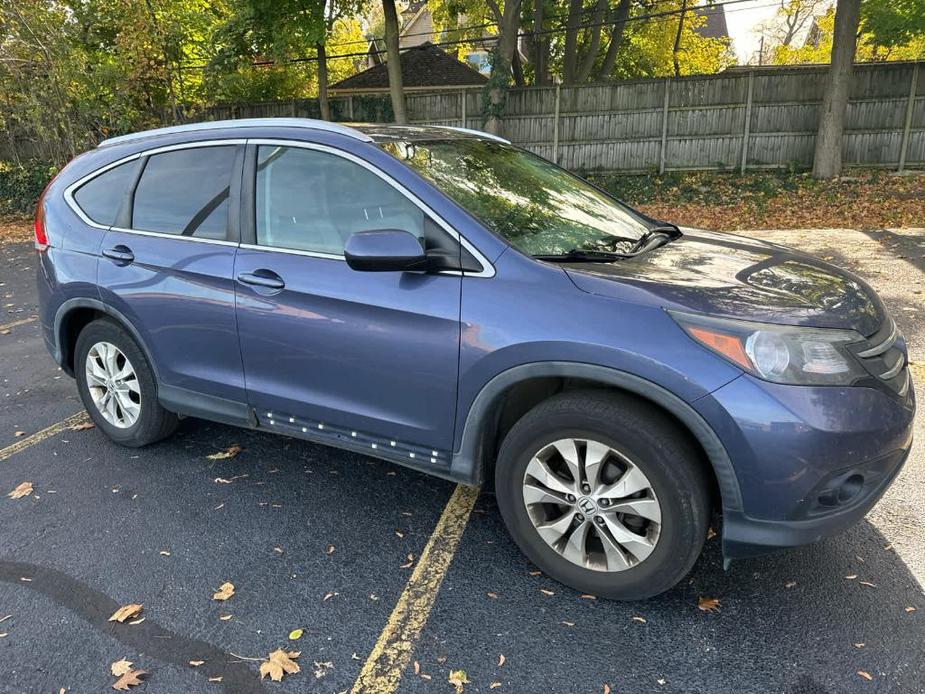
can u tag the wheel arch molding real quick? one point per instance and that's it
(473, 451)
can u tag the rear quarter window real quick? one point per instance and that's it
(101, 196)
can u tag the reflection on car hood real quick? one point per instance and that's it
(727, 275)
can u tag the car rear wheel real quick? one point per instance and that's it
(117, 386)
(604, 494)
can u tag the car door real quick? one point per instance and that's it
(168, 267)
(365, 356)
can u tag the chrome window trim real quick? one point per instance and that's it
(488, 270)
(75, 208)
(307, 123)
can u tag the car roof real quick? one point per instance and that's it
(365, 132)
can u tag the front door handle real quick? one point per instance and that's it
(121, 254)
(262, 278)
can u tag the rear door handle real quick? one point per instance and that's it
(262, 278)
(121, 254)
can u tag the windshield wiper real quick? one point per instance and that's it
(655, 236)
(583, 255)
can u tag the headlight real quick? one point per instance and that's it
(778, 353)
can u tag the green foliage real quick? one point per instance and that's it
(21, 185)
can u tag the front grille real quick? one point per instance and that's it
(883, 355)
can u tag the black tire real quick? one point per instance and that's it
(154, 422)
(653, 442)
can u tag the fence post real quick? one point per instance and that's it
(555, 127)
(462, 105)
(663, 150)
(910, 109)
(748, 121)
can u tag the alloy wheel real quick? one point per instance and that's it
(113, 385)
(592, 505)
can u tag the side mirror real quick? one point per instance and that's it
(385, 250)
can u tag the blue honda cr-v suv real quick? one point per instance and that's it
(441, 299)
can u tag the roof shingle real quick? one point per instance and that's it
(421, 66)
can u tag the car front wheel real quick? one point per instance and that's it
(604, 494)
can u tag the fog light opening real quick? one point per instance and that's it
(849, 489)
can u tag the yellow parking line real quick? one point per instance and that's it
(381, 674)
(45, 433)
(17, 323)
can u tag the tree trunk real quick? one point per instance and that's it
(677, 39)
(517, 69)
(501, 71)
(394, 62)
(570, 50)
(616, 39)
(540, 46)
(323, 102)
(594, 44)
(827, 157)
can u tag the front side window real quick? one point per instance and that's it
(185, 192)
(101, 197)
(536, 206)
(313, 201)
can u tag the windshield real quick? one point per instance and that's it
(536, 206)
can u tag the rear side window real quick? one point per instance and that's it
(101, 197)
(185, 192)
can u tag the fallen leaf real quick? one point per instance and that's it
(569, 624)
(24, 489)
(417, 668)
(330, 549)
(322, 669)
(136, 621)
(215, 679)
(851, 577)
(660, 680)
(606, 688)
(165, 553)
(587, 596)
(196, 663)
(278, 664)
(867, 583)
(534, 573)
(910, 609)
(441, 659)
(501, 660)
(120, 667)
(132, 678)
(17, 434)
(83, 426)
(225, 591)
(295, 634)
(229, 452)
(425, 676)
(125, 612)
(858, 645)
(3, 634)
(225, 617)
(711, 533)
(790, 584)
(637, 618)
(328, 596)
(27, 580)
(493, 596)
(494, 685)
(866, 675)
(458, 678)
(708, 604)
(409, 563)
(544, 591)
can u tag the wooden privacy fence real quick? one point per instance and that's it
(740, 119)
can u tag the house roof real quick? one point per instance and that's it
(421, 66)
(715, 26)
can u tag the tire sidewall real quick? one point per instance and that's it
(148, 421)
(683, 527)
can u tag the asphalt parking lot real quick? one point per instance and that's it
(331, 542)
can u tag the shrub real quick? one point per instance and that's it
(21, 185)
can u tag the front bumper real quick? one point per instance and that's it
(810, 461)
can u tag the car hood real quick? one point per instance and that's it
(737, 277)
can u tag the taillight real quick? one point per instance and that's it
(41, 240)
(38, 226)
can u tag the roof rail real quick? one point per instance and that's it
(478, 133)
(240, 123)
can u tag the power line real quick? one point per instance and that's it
(656, 16)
